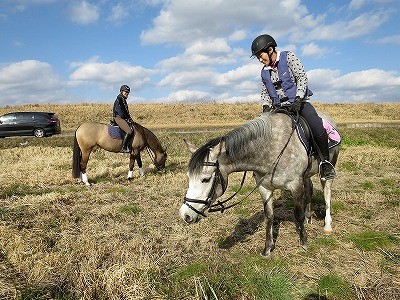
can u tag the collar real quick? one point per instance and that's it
(278, 54)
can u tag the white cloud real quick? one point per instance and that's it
(84, 13)
(312, 49)
(185, 96)
(29, 81)
(358, 4)
(390, 39)
(118, 14)
(341, 30)
(363, 86)
(109, 74)
(185, 22)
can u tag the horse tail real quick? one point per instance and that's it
(76, 159)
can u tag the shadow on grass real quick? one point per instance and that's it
(283, 211)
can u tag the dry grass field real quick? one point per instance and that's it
(124, 240)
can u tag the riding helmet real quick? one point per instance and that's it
(262, 42)
(124, 88)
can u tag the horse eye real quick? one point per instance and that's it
(204, 180)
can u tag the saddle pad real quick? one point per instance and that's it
(334, 138)
(115, 132)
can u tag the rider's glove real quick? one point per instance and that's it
(296, 105)
(266, 108)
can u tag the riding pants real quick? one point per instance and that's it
(309, 113)
(123, 124)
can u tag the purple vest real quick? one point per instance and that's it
(288, 86)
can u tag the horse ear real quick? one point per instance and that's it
(218, 149)
(192, 148)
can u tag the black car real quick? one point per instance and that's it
(38, 124)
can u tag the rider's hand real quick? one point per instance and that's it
(296, 105)
(266, 108)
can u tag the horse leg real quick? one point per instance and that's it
(140, 165)
(83, 166)
(308, 189)
(299, 214)
(135, 156)
(269, 220)
(327, 196)
(132, 159)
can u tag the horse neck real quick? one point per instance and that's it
(152, 141)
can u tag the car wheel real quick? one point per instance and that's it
(38, 132)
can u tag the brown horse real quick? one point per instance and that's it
(90, 136)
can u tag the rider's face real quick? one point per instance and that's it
(264, 58)
(125, 94)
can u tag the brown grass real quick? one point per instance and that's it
(124, 240)
(159, 116)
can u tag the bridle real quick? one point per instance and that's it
(218, 179)
(153, 158)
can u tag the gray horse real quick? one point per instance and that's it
(268, 146)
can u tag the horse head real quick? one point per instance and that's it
(160, 160)
(207, 181)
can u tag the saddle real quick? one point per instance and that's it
(304, 132)
(117, 133)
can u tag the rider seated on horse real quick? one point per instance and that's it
(285, 84)
(123, 118)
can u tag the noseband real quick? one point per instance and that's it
(218, 179)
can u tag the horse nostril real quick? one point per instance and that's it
(187, 219)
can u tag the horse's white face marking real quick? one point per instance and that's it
(199, 188)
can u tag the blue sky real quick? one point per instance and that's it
(70, 51)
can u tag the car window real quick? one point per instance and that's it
(7, 119)
(24, 117)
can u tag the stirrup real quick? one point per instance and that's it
(125, 150)
(326, 174)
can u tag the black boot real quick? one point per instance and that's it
(126, 143)
(326, 169)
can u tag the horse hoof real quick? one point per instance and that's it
(130, 179)
(328, 231)
(304, 246)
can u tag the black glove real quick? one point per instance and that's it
(296, 105)
(266, 108)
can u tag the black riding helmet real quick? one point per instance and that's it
(124, 88)
(262, 42)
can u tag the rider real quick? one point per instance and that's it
(285, 83)
(123, 118)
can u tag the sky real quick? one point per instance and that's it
(168, 51)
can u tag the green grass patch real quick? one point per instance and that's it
(348, 166)
(20, 190)
(372, 240)
(13, 214)
(130, 209)
(368, 185)
(387, 137)
(118, 190)
(247, 278)
(337, 207)
(334, 287)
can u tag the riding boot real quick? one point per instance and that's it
(126, 143)
(326, 169)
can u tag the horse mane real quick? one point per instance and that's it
(251, 135)
(150, 137)
(201, 154)
(238, 142)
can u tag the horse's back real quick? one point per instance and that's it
(92, 134)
